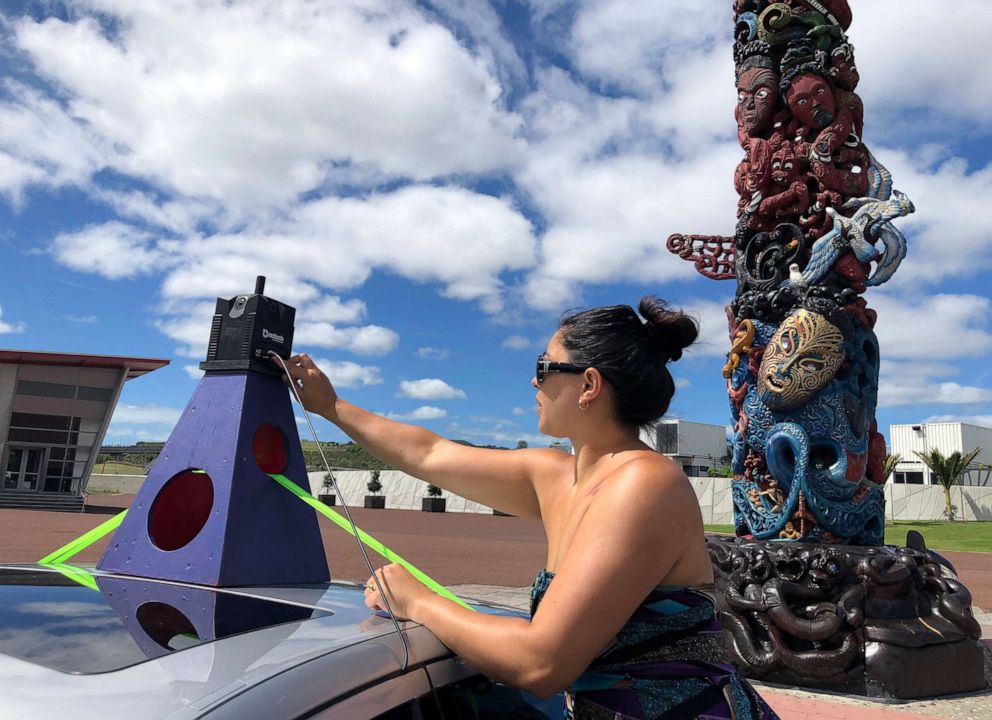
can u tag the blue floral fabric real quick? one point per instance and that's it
(664, 664)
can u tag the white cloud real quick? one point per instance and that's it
(40, 143)
(193, 371)
(894, 79)
(81, 319)
(117, 434)
(461, 239)
(522, 411)
(346, 374)
(189, 325)
(925, 383)
(637, 46)
(430, 389)
(480, 22)
(367, 340)
(946, 236)
(161, 92)
(611, 193)
(714, 336)
(331, 309)
(424, 412)
(432, 353)
(5, 327)
(497, 422)
(495, 436)
(113, 250)
(516, 342)
(126, 414)
(956, 325)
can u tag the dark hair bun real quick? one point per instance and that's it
(671, 330)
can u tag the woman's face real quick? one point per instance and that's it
(558, 396)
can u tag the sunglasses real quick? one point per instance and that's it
(548, 366)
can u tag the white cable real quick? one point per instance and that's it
(347, 512)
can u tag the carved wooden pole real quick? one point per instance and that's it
(814, 231)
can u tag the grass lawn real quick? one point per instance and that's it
(943, 535)
(939, 534)
(118, 468)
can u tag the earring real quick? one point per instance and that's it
(583, 406)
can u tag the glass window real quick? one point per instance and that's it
(407, 711)
(45, 389)
(45, 422)
(12, 473)
(57, 623)
(911, 478)
(92, 393)
(668, 438)
(479, 698)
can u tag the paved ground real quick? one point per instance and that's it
(495, 558)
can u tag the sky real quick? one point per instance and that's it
(431, 184)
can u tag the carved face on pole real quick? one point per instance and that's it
(757, 91)
(811, 101)
(785, 166)
(803, 355)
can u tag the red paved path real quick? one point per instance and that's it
(454, 548)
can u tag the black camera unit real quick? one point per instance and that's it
(244, 330)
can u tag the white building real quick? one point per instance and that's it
(54, 412)
(697, 447)
(947, 437)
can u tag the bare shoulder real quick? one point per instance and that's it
(657, 484)
(545, 467)
(541, 460)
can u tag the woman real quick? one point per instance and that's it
(625, 627)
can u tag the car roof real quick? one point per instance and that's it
(326, 623)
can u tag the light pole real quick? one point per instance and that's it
(922, 430)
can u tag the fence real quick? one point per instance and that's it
(902, 502)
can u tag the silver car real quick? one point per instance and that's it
(78, 643)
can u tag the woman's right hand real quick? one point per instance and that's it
(314, 388)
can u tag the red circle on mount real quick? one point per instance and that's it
(181, 509)
(268, 445)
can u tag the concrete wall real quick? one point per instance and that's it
(403, 492)
(125, 484)
(926, 502)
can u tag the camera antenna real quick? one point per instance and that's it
(347, 511)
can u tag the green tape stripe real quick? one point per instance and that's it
(75, 574)
(82, 542)
(369, 541)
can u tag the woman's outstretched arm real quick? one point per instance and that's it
(633, 534)
(502, 479)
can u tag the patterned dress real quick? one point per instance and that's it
(664, 664)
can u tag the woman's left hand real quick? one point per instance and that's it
(402, 590)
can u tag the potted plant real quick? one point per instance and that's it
(327, 497)
(433, 503)
(374, 486)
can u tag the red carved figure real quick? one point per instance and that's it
(811, 101)
(791, 194)
(757, 98)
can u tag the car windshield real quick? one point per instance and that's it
(109, 623)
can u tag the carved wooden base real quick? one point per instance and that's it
(885, 622)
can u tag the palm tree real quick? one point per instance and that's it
(890, 465)
(947, 471)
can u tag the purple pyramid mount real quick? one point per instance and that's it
(235, 526)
